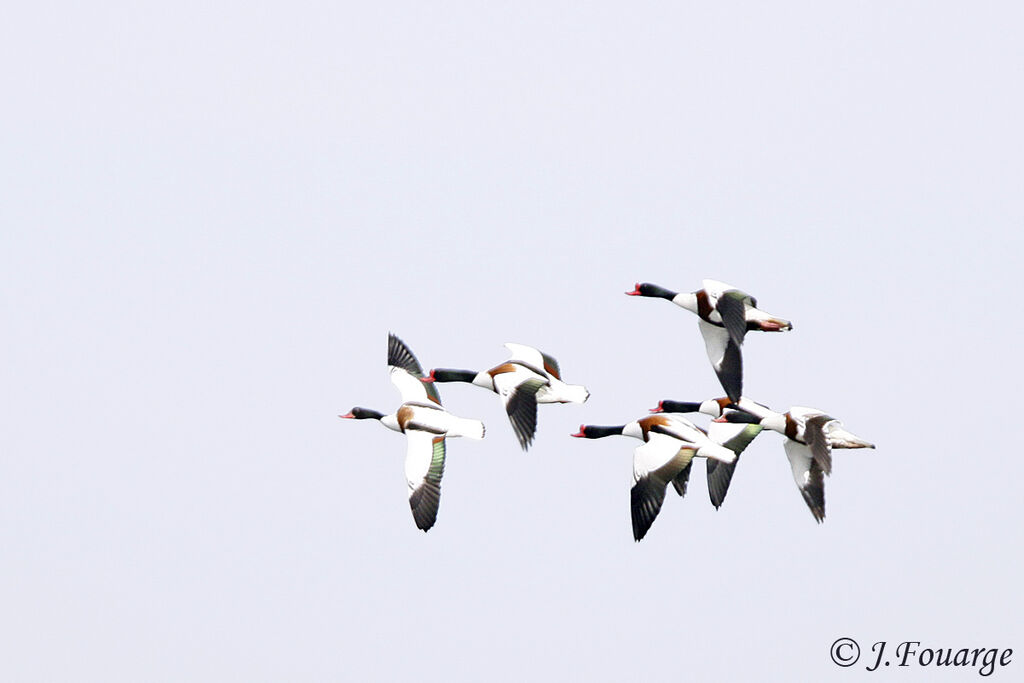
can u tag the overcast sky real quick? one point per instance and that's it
(212, 216)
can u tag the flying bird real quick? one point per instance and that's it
(425, 424)
(725, 314)
(670, 444)
(527, 378)
(810, 437)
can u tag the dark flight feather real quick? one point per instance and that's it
(817, 441)
(522, 410)
(426, 498)
(733, 310)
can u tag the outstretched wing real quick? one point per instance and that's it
(724, 354)
(719, 477)
(406, 373)
(655, 464)
(400, 356)
(424, 467)
(807, 474)
(732, 306)
(645, 500)
(521, 406)
(412, 389)
(735, 437)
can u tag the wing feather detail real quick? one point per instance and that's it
(424, 467)
(808, 475)
(521, 406)
(645, 500)
(817, 441)
(401, 356)
(732, 307)
(719, 477)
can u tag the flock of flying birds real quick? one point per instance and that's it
(670, 440)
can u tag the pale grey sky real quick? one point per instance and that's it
(211, 216)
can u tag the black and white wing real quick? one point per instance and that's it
(809, 478)
(735, 437)
(424, 467)
(655, 464)
(400, 356)
(406, 373)
(725, 357)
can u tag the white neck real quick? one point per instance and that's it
(775, 422)
(710, 407)
(391, 422)
(687, 300)
(633, 429)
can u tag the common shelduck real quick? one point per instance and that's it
(810, 437)
(725, 314)
(670, 444)
(527, 378)
(425, 424)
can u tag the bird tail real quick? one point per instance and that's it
(563, 393)
(767, 322)
(840, 438)
(472, 429)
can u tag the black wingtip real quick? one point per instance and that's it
(401, 356)
(719, 475)
(646, 498)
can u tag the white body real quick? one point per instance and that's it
(426, 414)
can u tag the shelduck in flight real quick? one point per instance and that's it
(527, 378)
(425, 424)
(725, 314)
(810, 437)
